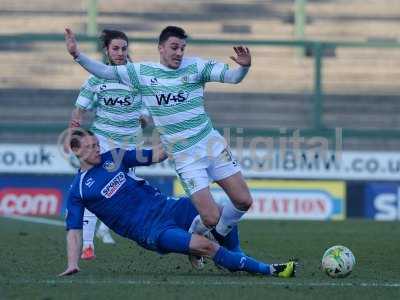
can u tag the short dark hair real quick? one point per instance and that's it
(77, 135)
(107, 35)
(169, 31)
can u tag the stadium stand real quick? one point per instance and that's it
(361, 84)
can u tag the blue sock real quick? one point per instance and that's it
(239, 262)
(231, 241)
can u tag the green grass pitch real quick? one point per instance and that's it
(33, 254)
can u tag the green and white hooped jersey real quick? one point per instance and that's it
(175, 100)
(118, 108)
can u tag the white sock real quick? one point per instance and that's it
(89, 226)
(230, 216)
(103, 227)
(198, 226)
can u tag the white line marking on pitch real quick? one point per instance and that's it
(215, 283)
(35, 220)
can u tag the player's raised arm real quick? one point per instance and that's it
(76, 117)
(243, 59)
(92, 66)
(243, 56)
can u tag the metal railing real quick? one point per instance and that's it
(318, 48)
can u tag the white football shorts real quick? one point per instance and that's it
(199, 174)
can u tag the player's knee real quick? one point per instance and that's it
(207, 247)
(211, 219)
(244, 203)
(210, 248)
(199, 245)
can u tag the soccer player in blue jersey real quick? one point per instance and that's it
(138, 211)
(173, 92)
(117, 121)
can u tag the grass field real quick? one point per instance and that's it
(33, 254)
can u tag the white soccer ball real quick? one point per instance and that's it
(338, 261)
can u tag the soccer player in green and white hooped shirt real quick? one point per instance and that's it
(173, 92)
(116, 122)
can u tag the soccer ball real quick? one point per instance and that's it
(338, 262)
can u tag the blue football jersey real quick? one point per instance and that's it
(129, 207)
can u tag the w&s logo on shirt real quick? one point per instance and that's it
(171, 98)
(114, 101)
(113, 185)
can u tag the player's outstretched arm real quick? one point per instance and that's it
(71, 43)
(75, 122)
(76, 118)
(243, 59)
(92, 66)
(141, 157)
(74, 245)
(243, 56)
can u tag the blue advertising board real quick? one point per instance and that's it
(382, 201)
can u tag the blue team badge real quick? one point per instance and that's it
(109, 165)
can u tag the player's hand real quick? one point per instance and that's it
(144, 121)
(243, 56)
(159, 154)
(71, 43)
(74, 123)
(69, 271)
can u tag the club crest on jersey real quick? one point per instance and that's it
(113, 185)
(193, 78)
(109, 166)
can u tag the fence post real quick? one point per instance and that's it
(91, 29)
(300, 18)
(300, 23)
(318, 90)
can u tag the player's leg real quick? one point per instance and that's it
(103, 233)
(230, 241)
(238, 192)
(89, 226)
(227, 173)
(196, 185)
(177, 240)
(235, 261)
(186, 217)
